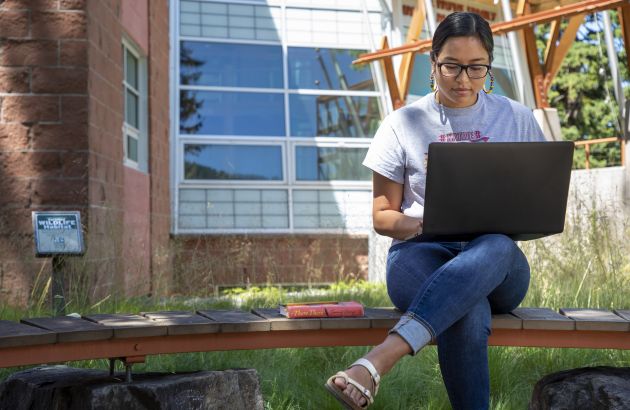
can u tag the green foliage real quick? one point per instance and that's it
(582, 91)
(586, 266)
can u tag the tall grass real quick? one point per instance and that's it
(586, 266)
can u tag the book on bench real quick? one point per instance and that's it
(321, 309)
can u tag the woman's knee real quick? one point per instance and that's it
(496, 247)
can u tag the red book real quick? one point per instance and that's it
(321, 309)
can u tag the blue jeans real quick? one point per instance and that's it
(450, 289)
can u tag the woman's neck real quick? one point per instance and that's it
(437, 99)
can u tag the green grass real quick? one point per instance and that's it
(587, 266)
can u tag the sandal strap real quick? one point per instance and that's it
(376, 378)
(365, 392)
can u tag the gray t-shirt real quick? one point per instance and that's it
(400, 147)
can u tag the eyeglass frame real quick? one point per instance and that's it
(464, 67)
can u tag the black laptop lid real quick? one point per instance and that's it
(515, 188)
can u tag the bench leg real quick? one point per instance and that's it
(129, 361)
(112, 366)
(128, 372)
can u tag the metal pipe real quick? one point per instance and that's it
(428, 6)
(524, 90)
(128, 378)
(613, 64)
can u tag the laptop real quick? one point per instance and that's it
(518, 189)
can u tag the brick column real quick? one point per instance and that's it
(159, 149)
(43, 128)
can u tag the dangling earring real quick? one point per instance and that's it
(491, 84)
(432, 82)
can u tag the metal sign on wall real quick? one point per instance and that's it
(58, 233)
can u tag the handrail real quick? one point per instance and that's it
(587, 147)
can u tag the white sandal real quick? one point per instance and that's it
(345, 399)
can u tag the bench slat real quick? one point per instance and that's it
(624, 313)
(237, 320)
(183, 322)
(383, 318)
(279, 322)
(506, 321)
(596, 319)
(18, 334)
(71, 329)
(346, 323)
(543, 319)
(126, 326)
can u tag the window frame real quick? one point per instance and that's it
(140, 133)
(287, 141)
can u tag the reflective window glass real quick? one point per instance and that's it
(132, 148)
(131, 70)
(334, 116)
(331, 164)
(503, 82)
(328, 69)
(233, 162)
(131, 108)
(420, 77)
(230, 65)
(231, 113)
(224, 20)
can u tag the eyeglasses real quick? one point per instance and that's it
(473, 71)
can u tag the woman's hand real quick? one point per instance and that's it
(386, 215)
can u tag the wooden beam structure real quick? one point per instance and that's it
(390, 77)
(554, 60)
(584, 7)
(542, 73)
(413, 33)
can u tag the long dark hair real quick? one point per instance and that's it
(462, 24)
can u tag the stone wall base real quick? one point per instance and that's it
(66, 388)
(586, 388)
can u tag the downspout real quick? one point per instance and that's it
(521, 72)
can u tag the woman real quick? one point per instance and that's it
(448, 290)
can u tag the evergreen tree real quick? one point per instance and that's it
(582, 91)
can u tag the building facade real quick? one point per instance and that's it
(205, 142)
(274, 122)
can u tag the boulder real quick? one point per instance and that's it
(594, 388)
(61, 388)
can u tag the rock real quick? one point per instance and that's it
(66, 388)
(593, 388)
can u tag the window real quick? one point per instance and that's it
(135, 121)
(274, 120)
(233, 162)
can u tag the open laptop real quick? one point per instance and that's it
(515, 188)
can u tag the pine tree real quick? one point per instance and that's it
(582, 91)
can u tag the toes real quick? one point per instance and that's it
(340, 382)
(355, 395)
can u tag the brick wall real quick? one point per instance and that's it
(159, 148)
(131, 209)
(61, 146)
(203, 262)
(43, 128)
(106, 145)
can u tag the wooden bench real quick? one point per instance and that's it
(130, 338)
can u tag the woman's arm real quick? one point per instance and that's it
(386, 215)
